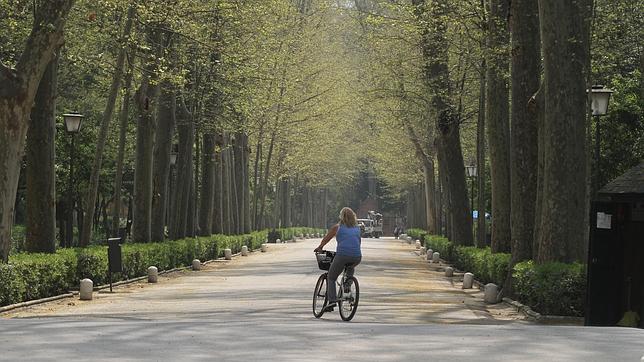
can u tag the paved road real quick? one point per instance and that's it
(258, 308)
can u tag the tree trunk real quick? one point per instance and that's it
(218, 221)
(257, 172)
(186, 131)
(18, 89)
(565, 51)
(118, 179)
(162, 148)
(526, 68)
(146, 99)
(434, 48)
(90, 199)
(480, 162)
(226, 187)
(41, 174)
(207, 185)
(264, 185)
(498, 127)
(245, 153)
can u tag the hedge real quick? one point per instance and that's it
(551, 288)
(31, 276)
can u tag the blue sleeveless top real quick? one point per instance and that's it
(348, 239)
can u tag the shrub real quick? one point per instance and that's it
(551, 288)
(33, 276)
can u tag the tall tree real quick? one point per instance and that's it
(497, 120)
(18, 87)
(41, 184)
(526, 70)
(564, 36)
(432, 17)
(90, 200)
(146, 100)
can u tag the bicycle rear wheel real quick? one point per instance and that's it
(319, 296)
(348, 305)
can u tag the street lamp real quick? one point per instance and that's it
(472, 172)
(173, 154)
(599, 97)
(73, 123)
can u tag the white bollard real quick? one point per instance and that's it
(278, 241)
(86, 289)
(244, 250)
(436, 257)
(228, 254)
(449, 271)
(430, 254)
(264, 247)
(196, 264)
(153, 274)
(491, 293)
(423, 250)
(417, 244)
(468, 280)
(293, 240)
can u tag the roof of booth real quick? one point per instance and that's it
(631, 182)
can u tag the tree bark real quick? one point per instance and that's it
(162, 148)
(40, 171)
(118, 179)
(526, 67)
(434, 49)
(498, 123)
(206, 214)
(218, 221)
(480, 162)
(186, 131)
(246, 228)
(18, 89)
(90, 199)
(146, 99)
(264, 184)
(565, 51)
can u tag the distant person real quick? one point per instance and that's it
(396, 231)
(348, 252)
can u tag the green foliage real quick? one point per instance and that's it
(32, 276)
(486, 266)
(552, 288)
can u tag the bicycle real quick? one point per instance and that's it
(348, 290)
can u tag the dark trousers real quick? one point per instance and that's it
(337, 266)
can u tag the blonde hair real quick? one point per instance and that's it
(348, 217)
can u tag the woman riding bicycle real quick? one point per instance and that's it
(348, 253)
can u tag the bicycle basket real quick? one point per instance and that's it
(325, 259)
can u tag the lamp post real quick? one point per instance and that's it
(599, 97)
(73, 123)
(471, 172)
(174, 152)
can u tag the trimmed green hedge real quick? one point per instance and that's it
(552, 288)
(31, 276)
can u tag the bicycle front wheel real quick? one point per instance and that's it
(319, 296)
(348, 305)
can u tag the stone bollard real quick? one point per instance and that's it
(423, 250)
(153, 274)
(293, 240)
(196, 264)
(228, 254)
(468, 280)
(491, 293)
(417, 244)
(436, 257)
(244, 250)
(430, 254)
(449, 271)
(86, 289)
(264, 247)
(278, 241)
